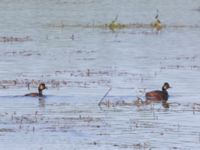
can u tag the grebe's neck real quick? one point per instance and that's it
(40, 92)
(163, 89)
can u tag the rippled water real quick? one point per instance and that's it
(66, 45)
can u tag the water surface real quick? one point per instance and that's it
(65, 45)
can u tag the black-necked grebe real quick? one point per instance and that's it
(41, 87)
(158, 95)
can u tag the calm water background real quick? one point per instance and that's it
(80, 63)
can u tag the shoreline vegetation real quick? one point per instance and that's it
(121, 25)
(117, 25)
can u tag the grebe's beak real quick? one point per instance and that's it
(46, 87)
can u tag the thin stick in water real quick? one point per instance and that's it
(104, 96)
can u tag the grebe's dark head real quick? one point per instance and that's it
(41, 87)
(166, 86)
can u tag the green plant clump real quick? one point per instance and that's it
(115, 25)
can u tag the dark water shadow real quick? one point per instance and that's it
(42, 102)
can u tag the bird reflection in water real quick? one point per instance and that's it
(41, 102)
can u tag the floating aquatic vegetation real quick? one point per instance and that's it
(83, 78)
(6, 130)
(21, 53)
(114, 25)
(137, 103)
(15, 39)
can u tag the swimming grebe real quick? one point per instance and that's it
(41, 87)
(159, 95)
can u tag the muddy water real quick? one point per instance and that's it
(66, 45)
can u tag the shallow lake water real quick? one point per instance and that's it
(66, 44)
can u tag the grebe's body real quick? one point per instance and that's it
(158, 95)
